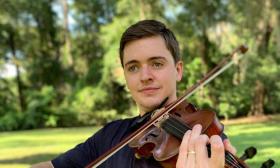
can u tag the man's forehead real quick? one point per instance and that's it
(145, 49)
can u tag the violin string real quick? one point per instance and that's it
(230, 155)
(232, 163)
(170, 122)
(231, 160)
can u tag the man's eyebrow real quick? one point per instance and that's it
(130, 62)
(150, 59)
(157, 57)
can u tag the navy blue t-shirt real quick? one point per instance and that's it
(102, 141)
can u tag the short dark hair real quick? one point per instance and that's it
(148, 28)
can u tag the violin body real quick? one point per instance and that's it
(163, 140)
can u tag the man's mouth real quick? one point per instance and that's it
(149, 90)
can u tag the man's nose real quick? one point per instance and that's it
(146, 74)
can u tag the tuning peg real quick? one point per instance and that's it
(268, 164)
(249, 153)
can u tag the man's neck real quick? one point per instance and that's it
(163, 103)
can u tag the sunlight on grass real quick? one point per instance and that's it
(14, 165)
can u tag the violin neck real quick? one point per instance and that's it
(177, 128)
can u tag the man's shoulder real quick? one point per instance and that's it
(120, 124)
(123, 121)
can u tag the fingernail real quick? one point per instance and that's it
(188, 132)
(197, 127)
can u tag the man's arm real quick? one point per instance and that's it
(47, 164)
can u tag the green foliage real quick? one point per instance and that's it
(7, 97)
(10, 117)
(65, 116)
(11, 121)
(40, 112)
(85, 101)
(103, 116)
(226, 110)
(51, 91)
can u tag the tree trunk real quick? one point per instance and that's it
(257, 107)
(205, 50)
(67, 38)
(263, 47)
(258, 100)
(18, 77)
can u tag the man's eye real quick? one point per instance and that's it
(157, 65)
(133, 68)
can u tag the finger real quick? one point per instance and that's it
(217, 152)
(229, 147)
(201, 151)
(183, 150)
(196, 131)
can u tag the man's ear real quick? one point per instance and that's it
(179, 69)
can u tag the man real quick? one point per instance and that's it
(149, 54)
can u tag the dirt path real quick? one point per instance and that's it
(253, 119)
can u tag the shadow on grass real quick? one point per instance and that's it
(30, 159)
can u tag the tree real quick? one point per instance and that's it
(260, 18)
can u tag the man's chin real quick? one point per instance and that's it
(151, 105)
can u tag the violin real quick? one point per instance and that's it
(160, 132)
(163, 140)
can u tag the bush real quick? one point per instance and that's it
(66, 117)
(85, 103)
(11, 121)
(40, 107)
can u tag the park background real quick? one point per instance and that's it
(59, 67)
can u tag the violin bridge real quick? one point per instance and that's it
(161, 119)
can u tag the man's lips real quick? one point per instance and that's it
(149, 90)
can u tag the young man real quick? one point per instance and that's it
(149, 54)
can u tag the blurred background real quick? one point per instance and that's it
(59, 63)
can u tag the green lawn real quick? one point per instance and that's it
(21, 148)
(264, 136)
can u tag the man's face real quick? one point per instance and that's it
(150, 72)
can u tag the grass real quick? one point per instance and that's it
(22, 148)
(263, 136)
